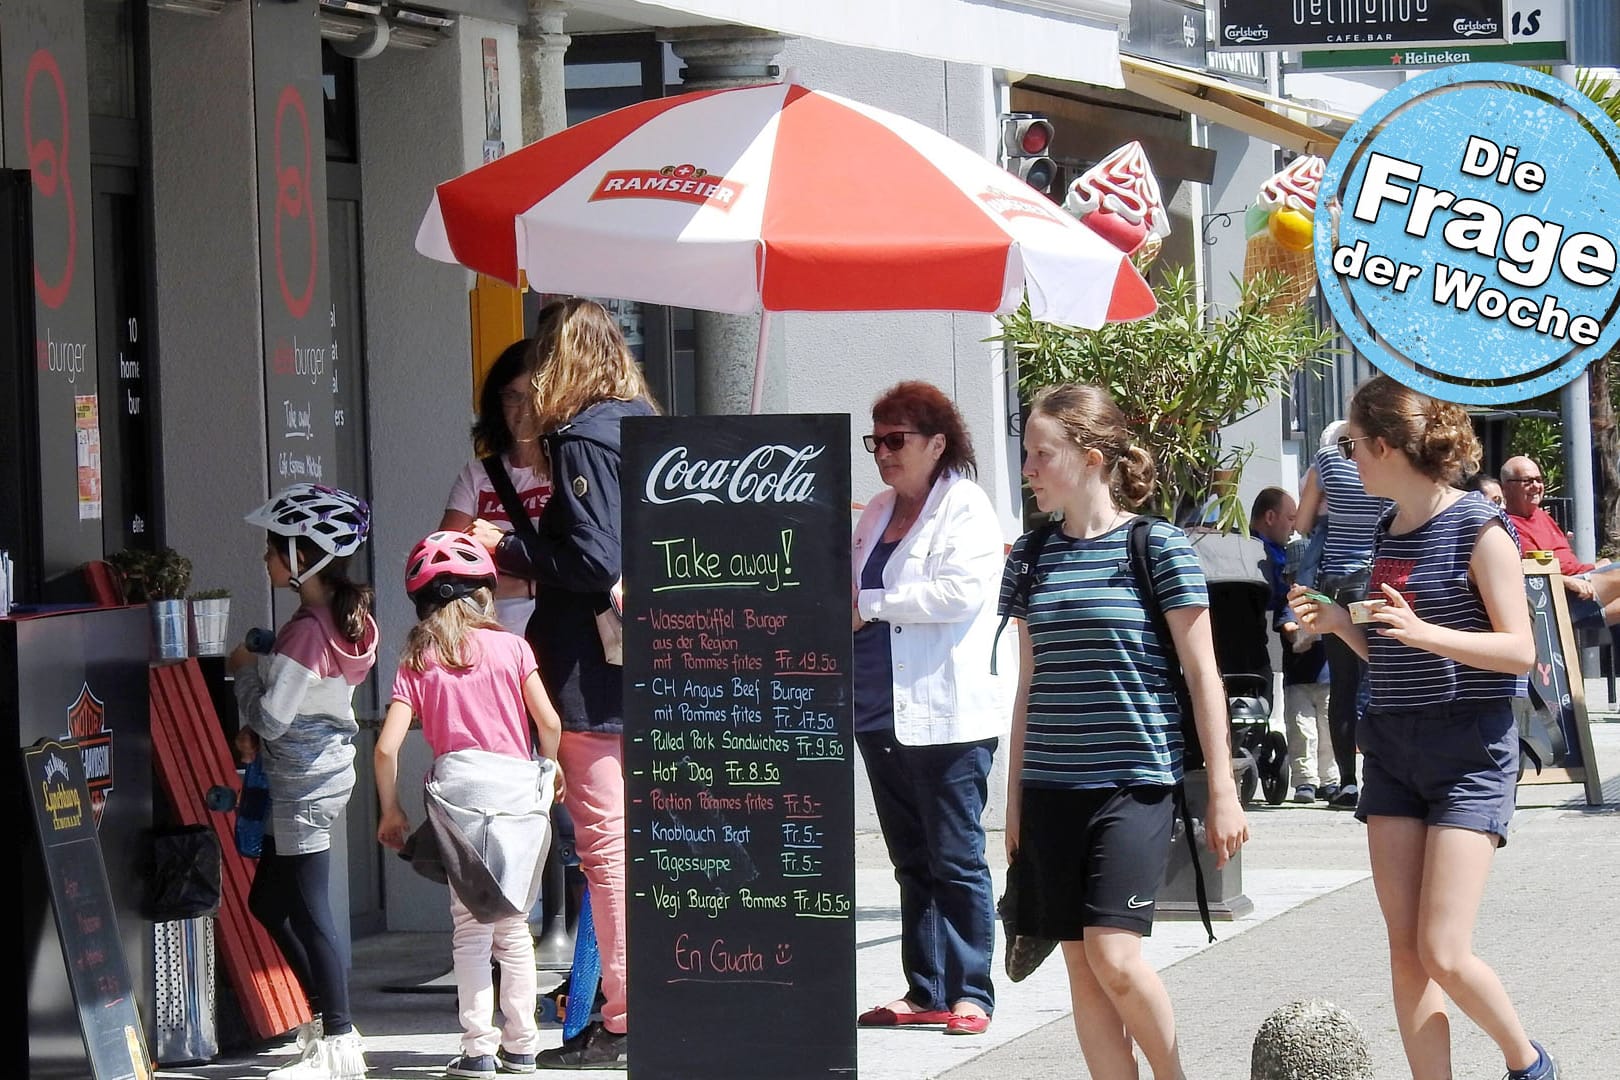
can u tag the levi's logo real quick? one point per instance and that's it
(1010, 204)
(680, 183)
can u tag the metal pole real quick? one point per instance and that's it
(1575, 403)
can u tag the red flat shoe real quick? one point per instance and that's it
(883, 1016)
(967, 1024)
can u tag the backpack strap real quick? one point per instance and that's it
(1142, 570)
(1024, 584)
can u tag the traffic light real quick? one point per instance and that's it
(1026, 140)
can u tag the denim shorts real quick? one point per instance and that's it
(1453, 764)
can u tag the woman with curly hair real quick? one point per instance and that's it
(1446, 635)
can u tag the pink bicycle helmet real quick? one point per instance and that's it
(448, 565)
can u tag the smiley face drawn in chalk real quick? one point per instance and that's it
(784, 954)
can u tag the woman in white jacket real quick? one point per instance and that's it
(927, 556)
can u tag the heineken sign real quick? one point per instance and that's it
(1357, 24)
(1535, 35)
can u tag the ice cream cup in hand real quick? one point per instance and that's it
(1362, 610)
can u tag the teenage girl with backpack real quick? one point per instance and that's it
(1096, 746)
(297, 715)
(1439, 743)
(475, 686)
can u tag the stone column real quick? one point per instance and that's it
(541, 47)
(719, 57)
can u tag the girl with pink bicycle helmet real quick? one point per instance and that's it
(476, 687)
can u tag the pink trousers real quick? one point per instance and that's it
(593, 767)
(473, 945)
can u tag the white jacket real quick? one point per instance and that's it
(939, 595)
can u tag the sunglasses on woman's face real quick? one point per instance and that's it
(1347, 445)
(893, 441)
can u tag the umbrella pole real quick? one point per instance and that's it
(759, 362)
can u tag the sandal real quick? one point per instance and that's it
(883, 1016)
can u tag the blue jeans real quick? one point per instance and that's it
(929, 801)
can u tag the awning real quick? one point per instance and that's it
(1301, 128)
(1077, 40)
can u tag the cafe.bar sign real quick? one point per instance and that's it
(1303, 25)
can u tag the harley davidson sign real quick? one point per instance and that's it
(1338, 24)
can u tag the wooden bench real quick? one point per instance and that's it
(190, 755)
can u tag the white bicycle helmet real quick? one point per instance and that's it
(333, 520)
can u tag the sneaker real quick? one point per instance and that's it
(309, 1032)
(345, 1056)
(508, 1062)
(479, 1067)
(1305, 793)
(312, 1064)
(1545, 1067)
(594, 1048)
(1327, 792)
(1346, 798)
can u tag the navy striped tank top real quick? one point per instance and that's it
(1352, 514)
(1429, 566)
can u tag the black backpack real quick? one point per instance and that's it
(1192, 752)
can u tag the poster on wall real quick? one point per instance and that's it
(87, 438)
(1327, 24)
(294, 262)
(46, 121)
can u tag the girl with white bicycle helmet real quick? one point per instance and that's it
(297, 716)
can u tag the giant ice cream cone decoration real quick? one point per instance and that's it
(1118, 198)
(1279, 227)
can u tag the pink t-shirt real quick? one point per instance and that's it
(477, 709)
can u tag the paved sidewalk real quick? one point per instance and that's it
(1547, 927)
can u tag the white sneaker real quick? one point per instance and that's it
(345, 1056)
(311, 1065)
(308, 1033)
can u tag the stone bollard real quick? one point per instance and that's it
(1310, 1040)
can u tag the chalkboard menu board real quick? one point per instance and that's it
(86, 923)
(738, 746)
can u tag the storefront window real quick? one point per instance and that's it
(337, 84)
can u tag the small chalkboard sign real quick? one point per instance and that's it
(86, 923)
(1558, 688)
(739, 752)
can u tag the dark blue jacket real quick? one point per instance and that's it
(573, 561)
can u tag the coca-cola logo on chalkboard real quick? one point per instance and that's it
(293, 199)
(769, 473)
(48, 165)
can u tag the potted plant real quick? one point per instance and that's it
(158, 579)
(210, 620)
(1181, 375)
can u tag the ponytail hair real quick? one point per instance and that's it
(1092, 420)
(351, 602)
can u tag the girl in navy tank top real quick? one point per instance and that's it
(1439, 743)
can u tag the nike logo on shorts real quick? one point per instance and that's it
(1133, 902)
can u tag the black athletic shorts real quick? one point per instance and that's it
(1092, 857)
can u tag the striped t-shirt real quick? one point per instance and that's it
(1101, 710)
(1352, 514)
(1429, 567)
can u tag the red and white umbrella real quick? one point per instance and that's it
(777, 198)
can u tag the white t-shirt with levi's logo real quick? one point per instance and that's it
(473, 494)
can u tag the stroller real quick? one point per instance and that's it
(1240, 618)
